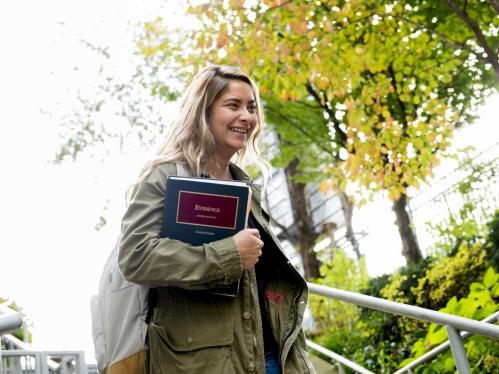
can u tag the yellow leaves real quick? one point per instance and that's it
(149, 51)
(340, 92)
(273, 3)
(394, 195)
(236, 4)
(406, 98)
(324, 186)
(298, 26)
(223, 38)
(154, 27)
(284, 51)
(284, 95)
(359, 50)
(350, 103)
(323, 83)
(201, 41)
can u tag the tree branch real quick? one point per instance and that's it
(279, 5)
(300, 129)
(304, 103)
(400, 103)
(329, 111)
(491, 55)
(450, 43)
(495, 5)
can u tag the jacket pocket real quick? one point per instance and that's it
(185, 336)
(184, 345)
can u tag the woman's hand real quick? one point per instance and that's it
(250, 245)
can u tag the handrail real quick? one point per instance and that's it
(441, 348)
(14, 341)
(415, 312)
(452, 323)
(10, 320)
(45, 364)
(20, 346)
(338, 358)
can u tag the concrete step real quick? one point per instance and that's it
(322, 366)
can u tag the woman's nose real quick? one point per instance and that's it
(245, 115)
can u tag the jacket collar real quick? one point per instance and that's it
(239, 174)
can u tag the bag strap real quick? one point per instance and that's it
(182, 171)
(152, 300)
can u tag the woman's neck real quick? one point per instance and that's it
(218, 169)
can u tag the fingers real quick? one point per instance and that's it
(254, 232)
(250, 245)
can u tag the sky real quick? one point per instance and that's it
(51, 257)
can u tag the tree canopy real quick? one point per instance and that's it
(392, 90)
(392, 79)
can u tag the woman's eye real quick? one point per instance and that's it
(252, 109)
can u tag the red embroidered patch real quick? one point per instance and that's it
(274, 296)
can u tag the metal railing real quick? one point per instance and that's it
(10, 320)
(43, 362)
(22, 360)
(441, 348)
(340, 360)
(18, 358)
(453, 324)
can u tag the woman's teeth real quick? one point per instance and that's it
(240, 131)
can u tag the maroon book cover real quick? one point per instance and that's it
(205, 209)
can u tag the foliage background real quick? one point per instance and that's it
(50, 65)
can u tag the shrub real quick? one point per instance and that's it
(451, 275)
(345, 273)
(483, 353)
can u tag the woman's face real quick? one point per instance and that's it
(233, 118)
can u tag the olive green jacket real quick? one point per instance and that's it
(195, 331)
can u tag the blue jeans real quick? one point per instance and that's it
(272, 364)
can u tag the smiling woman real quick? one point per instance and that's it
(194, 330)
(233, 118)
(219, 99)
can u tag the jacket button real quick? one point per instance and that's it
(251, 367)
(246, 315)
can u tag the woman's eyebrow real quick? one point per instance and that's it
(238, 100)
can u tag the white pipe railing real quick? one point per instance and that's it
(10, 320)
(452, 323)
(41, 362)
(338, 358)
(440, 348)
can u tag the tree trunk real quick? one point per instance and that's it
(347, 206)
(410, 246)
(303, 221)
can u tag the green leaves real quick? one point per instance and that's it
(477, 305)
(491, 278)
(340, 272)
(386, 72)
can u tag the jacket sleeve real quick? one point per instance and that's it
(147, 259)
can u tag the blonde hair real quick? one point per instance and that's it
(189, 138)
